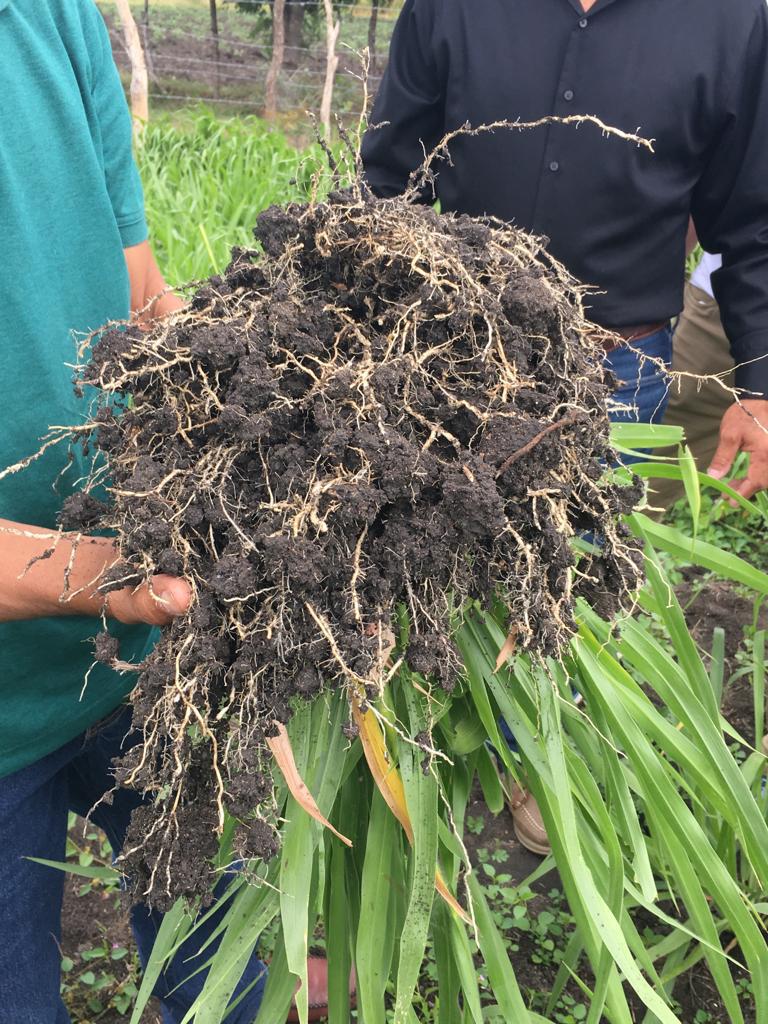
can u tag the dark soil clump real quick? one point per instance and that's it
(383, 408)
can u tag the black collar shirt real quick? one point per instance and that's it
(690, 74)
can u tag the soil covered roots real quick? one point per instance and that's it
(384, 407)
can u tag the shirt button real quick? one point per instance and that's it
(568, 95)
(583, 23)
(554, 166)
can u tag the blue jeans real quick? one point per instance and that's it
(644, 387)
(34, 805)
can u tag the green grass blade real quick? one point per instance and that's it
(421, 798)
(337, 933)
(669, 611)
(553, 792)
(717, 664)
(279, 990)
(100, 873)
(666, 538)
(637, 436)
(667, 471)
(448, 980)
(758, 685)
(691, 483)
(493, 794)
(698, 865)
(375, 941)
(462, 955)
(173, 924)
(228, 966)
(501, 974)
(297, 858)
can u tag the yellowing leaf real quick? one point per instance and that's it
(508, 648)
(384, 773)
(282, 751)
(390, 785)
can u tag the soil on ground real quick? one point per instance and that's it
(710, 604)
(96, 917)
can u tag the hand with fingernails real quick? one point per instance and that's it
(744, 428)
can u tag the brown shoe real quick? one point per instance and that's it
(527, 820)
(317, 977)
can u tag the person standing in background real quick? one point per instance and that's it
(701, 349)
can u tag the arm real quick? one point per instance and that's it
(122, 177)
(30, 591)
(730, 211)
(409, 105)
(32, 581)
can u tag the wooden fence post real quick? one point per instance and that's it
(278, 56)
(145, 39)
(331, 64)
(373, 23)
(216, 49)
(139, 78)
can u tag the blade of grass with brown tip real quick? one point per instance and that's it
(282, 751)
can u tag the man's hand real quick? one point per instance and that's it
(744, 428)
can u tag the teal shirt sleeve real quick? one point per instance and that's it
(115, 128)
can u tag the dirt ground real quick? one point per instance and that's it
(97, 919)
(712, 604)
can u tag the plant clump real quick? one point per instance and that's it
(379, 407)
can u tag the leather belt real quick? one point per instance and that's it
(635, 333)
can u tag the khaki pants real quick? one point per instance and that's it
(700, 347)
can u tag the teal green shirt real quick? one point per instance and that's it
(70, 201)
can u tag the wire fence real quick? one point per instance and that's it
(225, 62)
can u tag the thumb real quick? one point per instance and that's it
(172, 594)
(724, 457)
(157, 603)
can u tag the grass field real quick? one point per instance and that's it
(206, 180)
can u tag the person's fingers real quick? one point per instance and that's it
(744, 487)
(727, 450)
(756, 479)
(172, 594)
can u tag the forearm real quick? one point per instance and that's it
(43, 573)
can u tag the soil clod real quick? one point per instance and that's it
(383, 408)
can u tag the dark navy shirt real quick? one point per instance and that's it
(690, 74)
